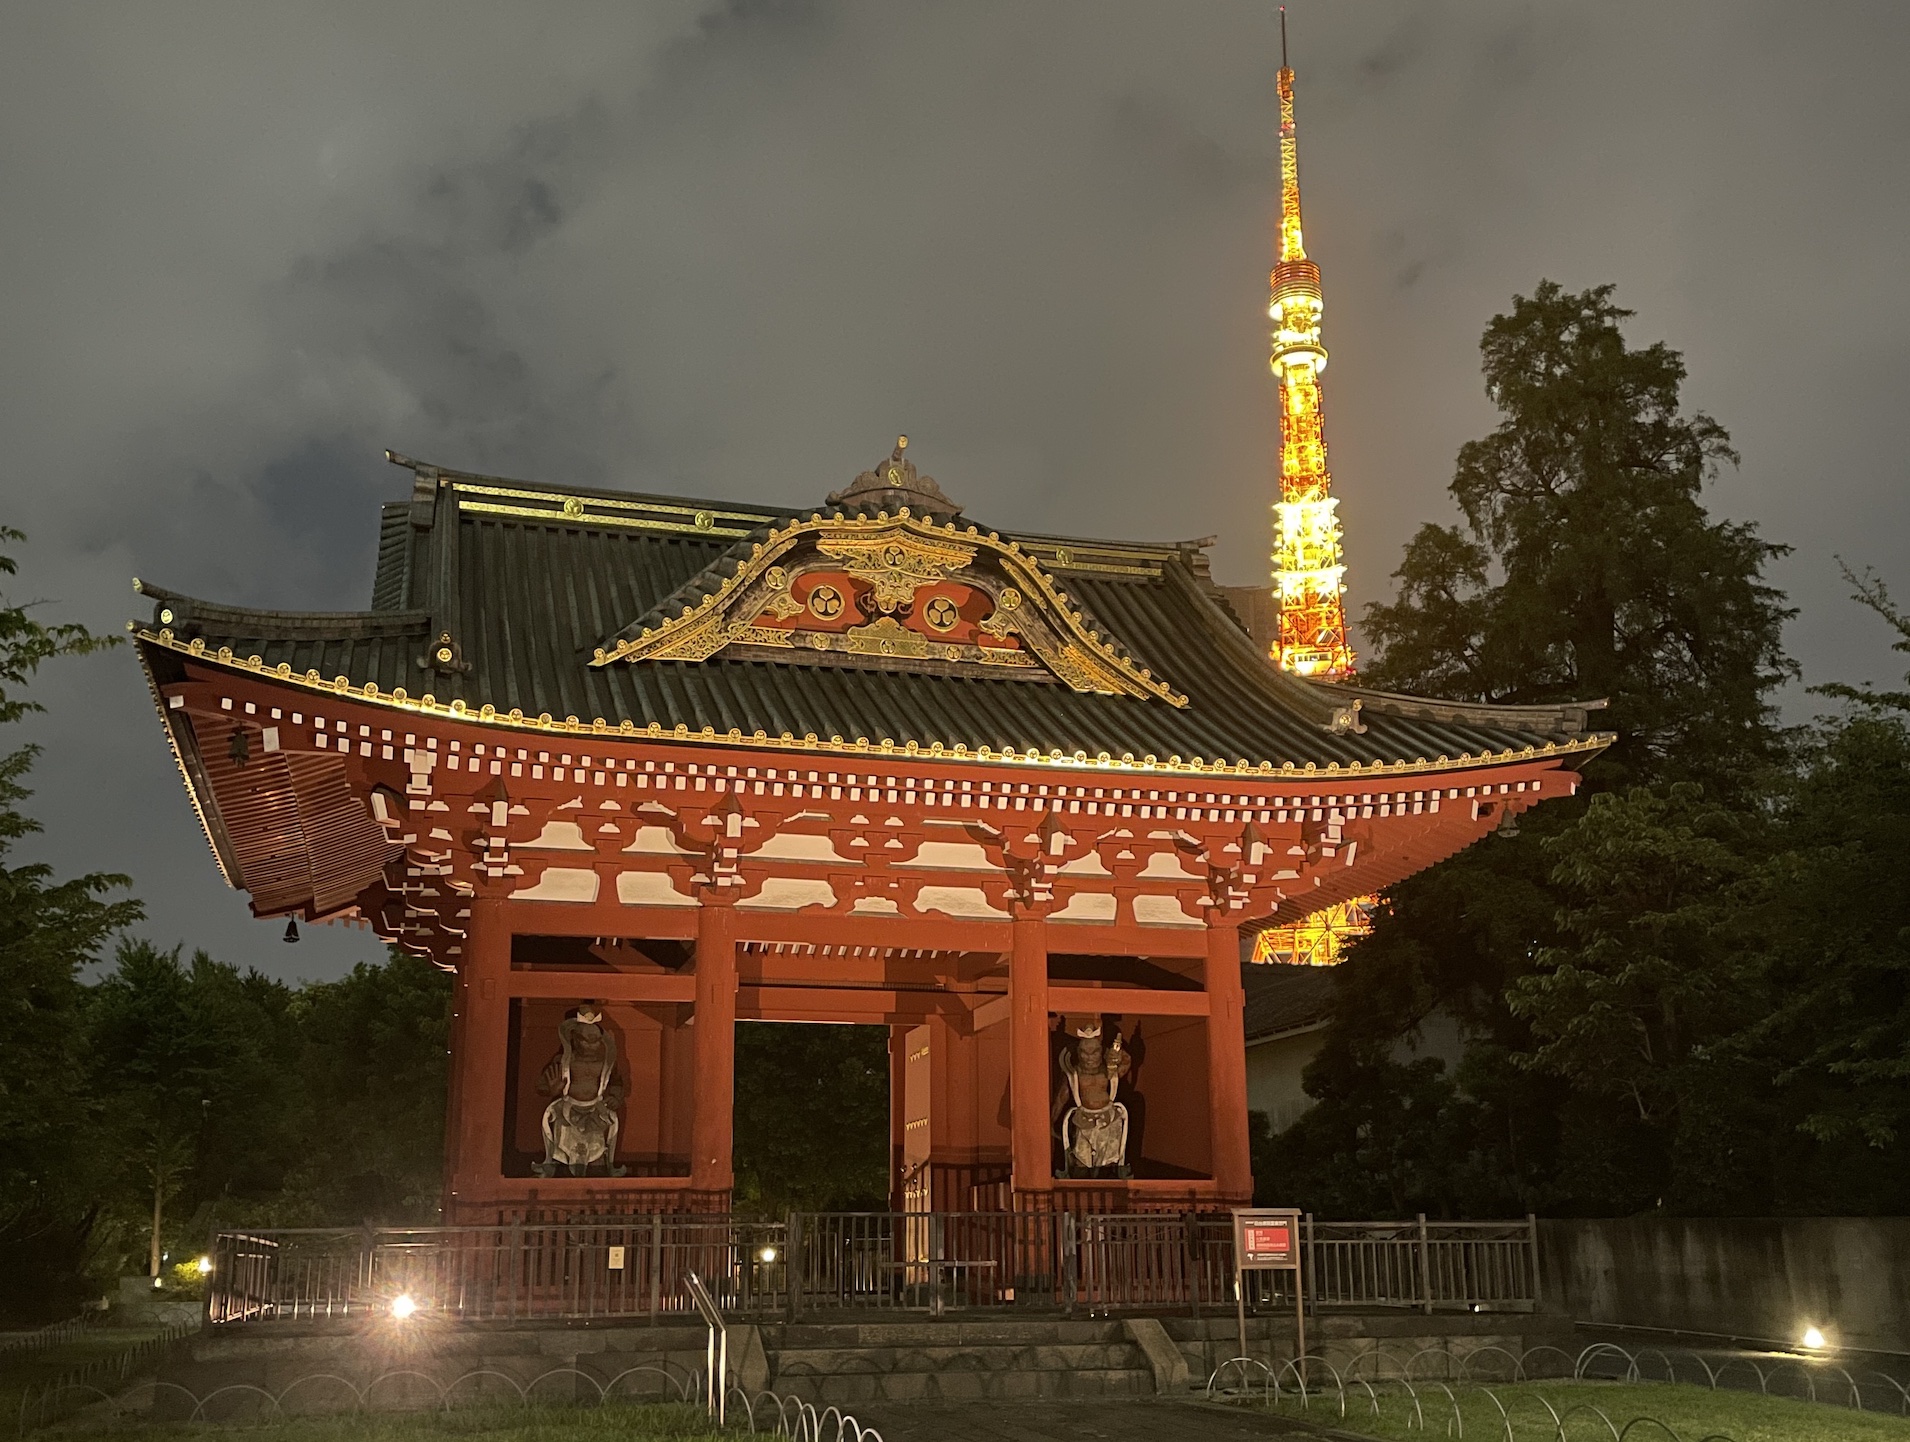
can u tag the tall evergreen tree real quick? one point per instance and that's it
(1585, 567)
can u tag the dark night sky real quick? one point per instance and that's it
(732, 250)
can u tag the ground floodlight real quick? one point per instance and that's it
(1813, 1338)
(204, 1265)
(403, 1306)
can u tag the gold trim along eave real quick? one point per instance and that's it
(459, 712)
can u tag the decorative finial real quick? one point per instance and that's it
(1283, 37)
(893, 484)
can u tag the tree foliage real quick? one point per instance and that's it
(370, 1053)
(1841, 958)
(240, 1099)
(812, 1118)
(49, 930)
(1655, 960)
(1587, 566)
(183, 1060)
(1690, 987)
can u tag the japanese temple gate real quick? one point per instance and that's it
(709, 762)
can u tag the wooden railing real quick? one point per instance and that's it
(820, 1262)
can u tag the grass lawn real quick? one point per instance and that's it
(612, 1423)
(1690, 1414)
(20, 1370)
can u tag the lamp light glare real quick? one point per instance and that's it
(403, 1306)
(204, 1264)
(768, 1254)
(1813, 1338)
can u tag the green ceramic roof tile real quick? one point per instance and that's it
(528, 598)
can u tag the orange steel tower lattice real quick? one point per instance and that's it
(1308, 569)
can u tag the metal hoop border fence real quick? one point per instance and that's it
(120, 1368)
(685, 1386)
(51, 1335)
(1452, 1416)
(1291, 1377)
(767, 1412)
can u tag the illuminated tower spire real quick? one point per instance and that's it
(1307, 565)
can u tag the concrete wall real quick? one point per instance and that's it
(1274, 1065)
(1849, 1276)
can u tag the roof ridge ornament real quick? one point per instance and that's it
(893, 484)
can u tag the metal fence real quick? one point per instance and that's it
(1485, 1266)
(633, 1267)
(819, 1262)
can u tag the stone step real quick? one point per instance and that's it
(978, 1331)
(845, 1389)
(262, 1344)
(954, 1357)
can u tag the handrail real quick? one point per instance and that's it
(716, 1352)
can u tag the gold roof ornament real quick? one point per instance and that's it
(894, 484)
(902, 558)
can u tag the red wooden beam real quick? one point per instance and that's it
(1125, 1001)
(602, 986)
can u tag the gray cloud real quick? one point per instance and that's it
(732, 249)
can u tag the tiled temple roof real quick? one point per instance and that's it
(531, 582)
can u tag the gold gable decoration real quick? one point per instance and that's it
(903, 559)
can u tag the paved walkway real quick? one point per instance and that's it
(1088, 1420)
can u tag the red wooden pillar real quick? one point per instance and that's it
(480, 1050)
(898, 1112)
(454, 1088)
(1028, 1099)
(713, 1053)
(1227, 1061)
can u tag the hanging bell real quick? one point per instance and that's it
(291, 931)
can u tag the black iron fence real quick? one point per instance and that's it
(630, 1267)
(816, 1262)
(1480, 1266)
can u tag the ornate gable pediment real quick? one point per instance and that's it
(901, 592)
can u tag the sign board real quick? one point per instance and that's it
(1267, 1239)
(616, 1258)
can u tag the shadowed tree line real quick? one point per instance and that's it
(1688, 987)
(191, 1094)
